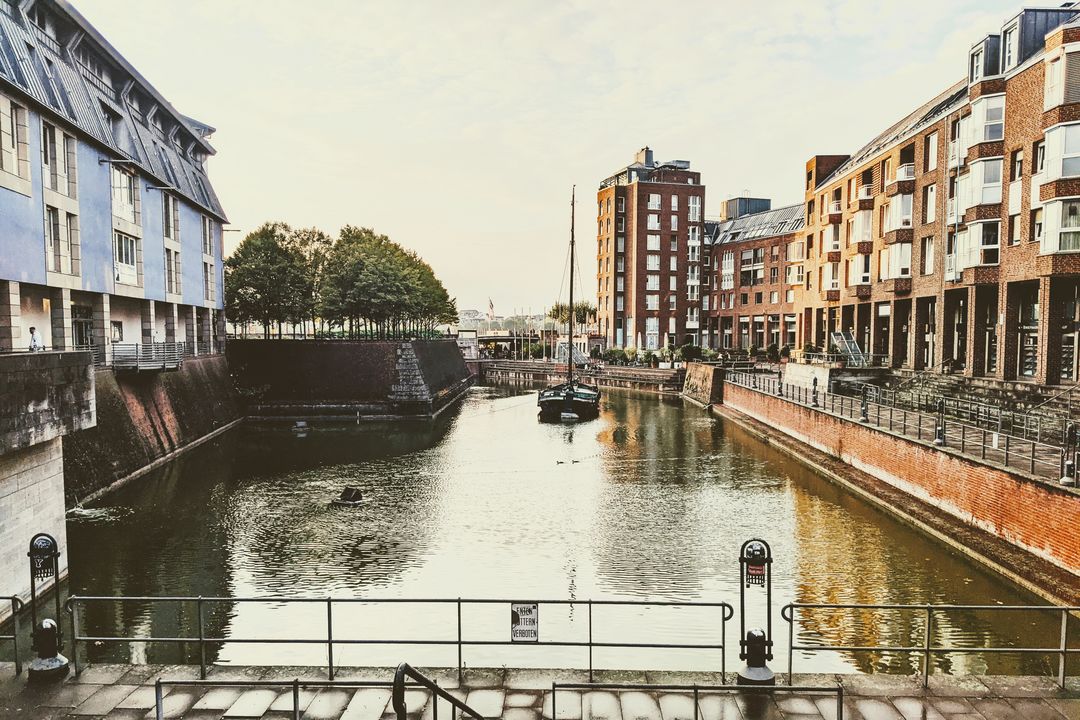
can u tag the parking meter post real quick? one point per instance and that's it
(755, 644)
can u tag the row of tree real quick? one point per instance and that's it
(360, 284)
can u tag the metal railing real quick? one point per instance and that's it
(295, 686)
(330, 640)
(397, 697)
(148, 356)
(993, 448)
(927, 649)
(697, 689)
(13, 638)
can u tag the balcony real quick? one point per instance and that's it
(866, 197)
(833, 256)
(836, 211)
(864, 247)
(830, 295)
(861, 291)
(980, 275)
(903, 183)
(956, 159)
(951, 273)
(898, 285)
(951, 211)
(153, 357)
(901, 233)
(692, 324)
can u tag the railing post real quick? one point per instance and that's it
(296, 698)
(435, 702)
(74, 635)
(459, 672)
(926, 647)
(590, 643)
(839, 701)
(695, 702)
(983, 443)
(1006, 451)
(1064, 647)
(330, 636)
(1032, 458)
(202, 638)
(963, 428)
(553, 714)
(158, 710)
(15, 632)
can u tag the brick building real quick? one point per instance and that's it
(952, 238)
(752, 261)
(650, 225)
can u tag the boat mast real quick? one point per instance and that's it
(570, 348)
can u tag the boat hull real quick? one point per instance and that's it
(569, 403)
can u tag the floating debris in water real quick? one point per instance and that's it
(98, 514)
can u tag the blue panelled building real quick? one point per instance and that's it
(110, 232)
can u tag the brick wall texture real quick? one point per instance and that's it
(1038, 517)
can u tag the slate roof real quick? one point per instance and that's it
(778, 221)
(51, 76)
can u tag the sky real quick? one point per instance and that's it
(458, 128)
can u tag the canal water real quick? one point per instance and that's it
(650, 502)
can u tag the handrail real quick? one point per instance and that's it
(16, 608)
(294, 685)
(398, 693)
(330, 641)
(925, 372)
(696, 689)
(1054, 397)
(927, 649)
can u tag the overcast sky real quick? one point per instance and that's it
(457, 128)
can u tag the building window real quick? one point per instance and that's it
(125, 259)
(1040, 156)
(652, 302)
(124, 195)
(774, 297)
(929, 203)
(652, 243)
(620, 244)
(674, 203)
(994, 125)
(652, 282)
(695, 208)
(620, 224)
(1014, 229)
(52, 239)
(620, 204)
(1069, 237)
(1016, 164)
(208, 281)
(654, 201)
(117, 328)
(1009, 49)
(927, 260)
(990, 192)
(673, 263)
(674, 222)
(989, 244)
(170, 216)
(12, 138)
(673, 282)
(654, 222)
(1070, 157)
(930, 151)
(652, 262)
(976, 72)
(652, 332)
(671, 301)
(1036, 225)
(172, 271)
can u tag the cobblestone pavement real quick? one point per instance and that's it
(126, 692)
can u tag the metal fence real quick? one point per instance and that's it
(1036, 458)
(148, 356)
(13, 638)
(927, 649)
(331, 640)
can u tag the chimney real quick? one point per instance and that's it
(644, 157)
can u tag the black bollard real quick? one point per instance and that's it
(49, 665)
(756, 671)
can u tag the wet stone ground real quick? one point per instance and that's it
(126, 692)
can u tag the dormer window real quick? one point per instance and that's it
(976, 66)
(1010, 50)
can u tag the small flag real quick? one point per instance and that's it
(491, 310)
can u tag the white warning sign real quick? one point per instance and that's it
(524, 622)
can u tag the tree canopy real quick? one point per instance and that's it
(361, 283)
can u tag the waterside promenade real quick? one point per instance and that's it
(127, 692)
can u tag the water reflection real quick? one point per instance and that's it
(650, 501)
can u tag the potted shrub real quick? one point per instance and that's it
(773, 353)
(649, 358)
(664, 357)
(631, 354)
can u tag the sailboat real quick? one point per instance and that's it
(570, 401)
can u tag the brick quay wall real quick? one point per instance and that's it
(1038, 517)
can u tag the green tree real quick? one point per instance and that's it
(266, 279)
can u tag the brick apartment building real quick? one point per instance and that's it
(649, 234)
(952, 237)
(751, 263)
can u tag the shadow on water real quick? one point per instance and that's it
(650, 501)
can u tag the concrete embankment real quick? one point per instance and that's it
(1022, 527)
(146, 419)
(345, 380)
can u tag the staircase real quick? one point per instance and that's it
(846, 345)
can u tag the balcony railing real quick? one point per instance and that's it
(866, 192)
(905, 172)
(835, 208)
(152, 356)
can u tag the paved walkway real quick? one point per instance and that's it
(126, 692)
